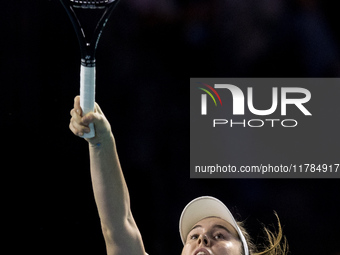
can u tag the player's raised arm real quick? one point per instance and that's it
(110, 190)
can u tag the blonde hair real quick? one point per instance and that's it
(275, 243)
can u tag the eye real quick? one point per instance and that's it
(218, 236)
(194, 237)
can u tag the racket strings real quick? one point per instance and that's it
(89, 21)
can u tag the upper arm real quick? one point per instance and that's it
(126, 240)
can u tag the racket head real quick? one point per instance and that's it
(89, 4)
(88, 38)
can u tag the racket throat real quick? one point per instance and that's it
(88, 62)
(87, 52)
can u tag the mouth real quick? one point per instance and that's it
(202, 251)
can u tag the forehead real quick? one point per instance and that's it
(214, 222)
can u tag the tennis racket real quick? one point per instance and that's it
(89, 18)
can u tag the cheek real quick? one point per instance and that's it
(186, 250)
(230, 248)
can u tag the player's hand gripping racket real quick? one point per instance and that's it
(84, 16)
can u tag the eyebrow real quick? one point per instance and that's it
(223, 227)
(196, 226)
(215, 226)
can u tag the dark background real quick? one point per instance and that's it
(146, 55)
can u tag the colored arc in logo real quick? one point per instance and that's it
(208, 92)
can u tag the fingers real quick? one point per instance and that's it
(77, 124)
(97, 109)
(76, 105)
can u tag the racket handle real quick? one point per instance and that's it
(87, 94)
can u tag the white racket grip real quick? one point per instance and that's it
(87, 94)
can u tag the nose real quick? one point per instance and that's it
(204, 240)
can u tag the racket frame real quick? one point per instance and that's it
(88, 49)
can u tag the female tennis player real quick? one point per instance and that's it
(206, 225)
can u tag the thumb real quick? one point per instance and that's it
(89, 118)
(101, 125)
(94, 117)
